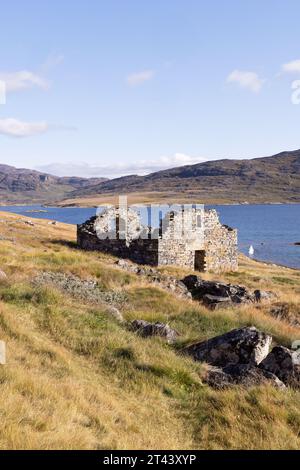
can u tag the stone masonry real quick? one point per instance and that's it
(189, 237)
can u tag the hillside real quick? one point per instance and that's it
(77, 378)
(260, 180)
(29, 186)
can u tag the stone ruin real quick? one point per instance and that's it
(190, 237)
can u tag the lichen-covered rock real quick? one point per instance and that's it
(284, 363)
(240, 346)
(87, 290)
(241, 374)
(146, 329)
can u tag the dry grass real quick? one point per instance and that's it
(76, 378)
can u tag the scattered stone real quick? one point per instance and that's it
(240, 346)
(168, 283)
(146, 329)
(3, 276)
(284, 363)
(216, 294)
(52, 222)
(29, 222)
(241, 374)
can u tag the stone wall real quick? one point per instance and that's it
(182, 234)
(221, 251)
(175, 252)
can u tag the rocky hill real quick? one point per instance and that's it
(259, 180)
(22, 185)
(267, 179)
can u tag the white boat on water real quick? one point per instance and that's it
(251, 250)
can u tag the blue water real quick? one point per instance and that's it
(271, 229)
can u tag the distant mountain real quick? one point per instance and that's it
(18, 185)
(267, 179)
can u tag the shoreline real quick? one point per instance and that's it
(80, 206)
(270, 263)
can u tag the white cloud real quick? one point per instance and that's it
(15, 128)
(244, 79)
(138, 78)
(22, 80)
(141, 167)
(291, 67)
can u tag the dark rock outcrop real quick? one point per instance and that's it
(240, 346)
(241, 374)
(146, 329)
(216, 294)
(284, 363)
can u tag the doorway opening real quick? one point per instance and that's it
(200, 260)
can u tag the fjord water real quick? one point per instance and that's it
(272, 230)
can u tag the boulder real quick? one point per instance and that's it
(264, 295)
(3, 276)
(234, 293)
(241, 374)
(214, 302)
(284, 363)
(215, 294)
(240, 346)
(29, 222)
(146, 329)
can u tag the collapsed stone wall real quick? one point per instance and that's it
(141, 251)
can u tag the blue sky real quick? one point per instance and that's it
(130, 86)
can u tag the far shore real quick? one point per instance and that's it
(136, 199)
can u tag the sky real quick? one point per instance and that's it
(106, 88)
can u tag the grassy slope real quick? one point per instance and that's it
(75, 378)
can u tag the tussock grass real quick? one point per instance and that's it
(76, 378)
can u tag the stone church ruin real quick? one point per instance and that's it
(190, 237)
